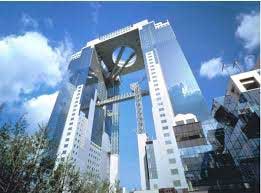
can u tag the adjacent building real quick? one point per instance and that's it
(238, 116)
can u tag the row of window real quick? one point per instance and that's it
(71, 123)
(163, 121)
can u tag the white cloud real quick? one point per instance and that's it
(213, 68)
(249, 61)
(28, 21)
(39, 110)
(28, 61)
(248, 29)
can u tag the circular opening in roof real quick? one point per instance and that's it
(124, 56)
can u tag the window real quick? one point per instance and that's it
(190, 120)
(161, 109)
(164, 121)
(250, 83)
(65, 145)
(160, 103)
(154, 80)
(72, 119)
(156, 84)
(176, 183)
(67, 139)
(168, 142)
(166, 134)
(172, 160)
(169, 151)
(69, 133)
(154, 76)
(75, 105)
(64, 152)
(71, 123)
(180, 123)
(158, 99)
(155, 186)
(157, 94)
(165, 127)
(156, 89)
(162, 115)
(174, 171)
(62, 159)
(70, 128)
(73, 114)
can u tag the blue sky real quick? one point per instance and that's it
(36, 40)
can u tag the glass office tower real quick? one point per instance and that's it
(85, 119)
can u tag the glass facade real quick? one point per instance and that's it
(183, 89)
(214, 159)
(59, 114)
(239, 124)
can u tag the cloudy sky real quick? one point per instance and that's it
(36, 40)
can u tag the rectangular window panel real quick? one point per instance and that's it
(165, 127)
(164, 121)
(174, 171)
(170, 151)
(180, 123)
(161, 109)
(172, 160)
(162, 115)
(176, 183)
(168, 142)
(166, 134)
(190, 120)
(66, 145)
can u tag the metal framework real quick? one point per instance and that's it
(139, 107)
(119, 98)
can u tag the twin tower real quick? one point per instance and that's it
(85, 119)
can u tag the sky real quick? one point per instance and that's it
(37, 39)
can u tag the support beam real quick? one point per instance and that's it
(123, 66)
(119, 98)
(115, 67)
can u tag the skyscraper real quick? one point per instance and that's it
(85, 119)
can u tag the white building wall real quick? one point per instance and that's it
(76, 141)
(69, 133)
(114, 168)
(237, 84)
(165, 146)
(142, 138)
